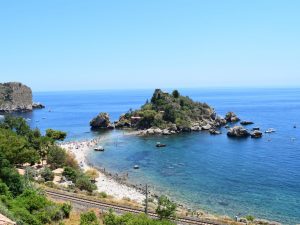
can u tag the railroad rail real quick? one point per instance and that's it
(80, 200)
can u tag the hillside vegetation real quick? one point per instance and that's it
(170, 111)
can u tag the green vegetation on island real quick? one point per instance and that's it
(166, 113)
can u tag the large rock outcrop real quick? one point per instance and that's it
(231, 117)
(15, 96)
(171, 112)
(101, 121)
(238, 132)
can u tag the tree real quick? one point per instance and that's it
(92, 174)
(165, 209)
(47, 174)
(88, 218)
(56, 134)
(175, 94)
(170, 114)
(56, 157)
(17, 124)
(16, 149)
(11, 177)
(147, 119)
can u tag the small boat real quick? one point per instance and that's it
(99, 149)
(270, 130)
(255, 128)
(160, 145)
(136, 167)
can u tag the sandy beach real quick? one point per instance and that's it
(104, 183)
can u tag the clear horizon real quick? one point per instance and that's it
(97, 45)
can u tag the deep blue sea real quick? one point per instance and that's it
(221, 175)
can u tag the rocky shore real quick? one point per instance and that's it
(16, 97)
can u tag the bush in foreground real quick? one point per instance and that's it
(89, 218)
(132, 219)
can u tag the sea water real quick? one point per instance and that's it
(235, 177)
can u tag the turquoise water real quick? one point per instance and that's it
(222, 175)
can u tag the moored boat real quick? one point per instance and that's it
(160, 145)
(270, 130)
(99, 149)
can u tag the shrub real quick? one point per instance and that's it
(92, 174)
(88, 218)
(102, 194)
(66, 209)
(71, 161)
(47, 174)
(71, 174)
(131, 219)
(165, 209)
(250, 218)
(84, 183)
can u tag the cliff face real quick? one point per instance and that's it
(15, 96)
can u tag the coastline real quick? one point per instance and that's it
(118, 187)
(106, 182)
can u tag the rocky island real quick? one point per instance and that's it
(165, 114)
(15, 96)
(168, 114)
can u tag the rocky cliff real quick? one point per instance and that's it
(15, 96)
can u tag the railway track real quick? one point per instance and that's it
(80, 200)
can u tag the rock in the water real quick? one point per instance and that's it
(15, 96)
(101, 122)
(244, 123)
(256, 134)
(238, 131)
(37, 105)
(214, 131)
(231, 117)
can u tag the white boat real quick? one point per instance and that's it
(270, 130)
(136, 167)
(99, 149)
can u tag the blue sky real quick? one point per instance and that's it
(86, 45)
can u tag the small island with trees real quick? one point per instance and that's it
(167, 113)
